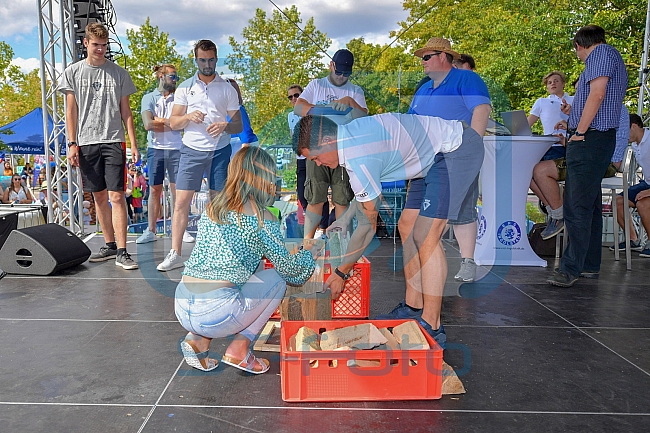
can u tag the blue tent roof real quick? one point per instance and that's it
(27, 134)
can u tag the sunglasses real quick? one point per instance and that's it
(295, 95)
(172, 77)
(428, 56)
(345, 74)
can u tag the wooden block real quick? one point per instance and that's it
(261, 344)
(451, 384)
(409, 336)
(392, 343)
(364, 336)
(306, 340)
(300, 306)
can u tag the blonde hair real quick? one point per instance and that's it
(251, 178)
(96, 31)
(550, 74)
(160, 70)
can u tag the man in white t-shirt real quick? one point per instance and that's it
(337, 92)
(164, 144)
(638, 195)
(390, 147)
(206, 108)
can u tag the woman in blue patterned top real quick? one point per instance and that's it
(221, 293)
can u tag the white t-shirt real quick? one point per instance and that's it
(293, 120)
(322, 92)
(161, 106)
(391, 147)
(642, 152)
(214, 100)
(548, 111)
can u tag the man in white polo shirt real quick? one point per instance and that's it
(390, 147)
(206, 107)
(164, 150)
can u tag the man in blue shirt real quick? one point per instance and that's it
(593, 120)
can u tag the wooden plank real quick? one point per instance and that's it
(261, 344)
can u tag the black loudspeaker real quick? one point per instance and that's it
(42, 250)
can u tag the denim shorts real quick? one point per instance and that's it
(194, 164)
(450, 189)
(160, 161)
(633, 190)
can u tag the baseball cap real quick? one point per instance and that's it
(343, 60)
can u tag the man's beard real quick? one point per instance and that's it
(169, 87)
(208, 71)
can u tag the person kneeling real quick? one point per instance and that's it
(221, 294)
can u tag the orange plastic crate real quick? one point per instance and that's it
(354, 302)
(394, 379)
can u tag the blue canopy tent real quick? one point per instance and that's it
(27, 134)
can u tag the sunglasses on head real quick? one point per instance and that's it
(345, 74)
(295, 95)
(428, 56)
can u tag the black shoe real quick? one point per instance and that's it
(589, 274)
(105, 253)
(562, 279)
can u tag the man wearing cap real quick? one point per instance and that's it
(451, 94)
(340, 94)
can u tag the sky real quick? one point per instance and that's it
(189, 20)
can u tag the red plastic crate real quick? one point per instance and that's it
(354, 302)
(394, 379)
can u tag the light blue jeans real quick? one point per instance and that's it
(227, 311)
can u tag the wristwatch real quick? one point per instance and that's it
(72, 143)
(343, 276)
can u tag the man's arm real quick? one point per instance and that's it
(302, 107)
(532, 119)
(235, 126)
(480, 117)
(127, 118)
(71, 123)
(155, 124)
(348, 100)
(180, 118)
(598, 88)
(366, 213)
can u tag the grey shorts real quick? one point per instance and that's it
(451, 185)
(194, 164)
(320, 178)
(160, 161)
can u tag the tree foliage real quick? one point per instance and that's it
(149, 47)
(273, 55)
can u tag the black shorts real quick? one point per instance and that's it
(103, 166)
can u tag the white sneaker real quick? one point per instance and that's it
(146, 237)
(172, 261)
(187, 237)
(319, 233)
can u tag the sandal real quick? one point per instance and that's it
(198, 360)
(248, 363)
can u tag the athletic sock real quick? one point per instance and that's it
(121, 252)
(558, 213)
(415, 310)
(111, 245)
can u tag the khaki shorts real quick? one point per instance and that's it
(611, 170)
(560, 164)
(320, 178)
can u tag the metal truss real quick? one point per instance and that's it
(643, 109)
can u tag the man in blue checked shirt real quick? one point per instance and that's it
(593, 120)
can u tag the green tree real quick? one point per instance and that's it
(274, 54)
(149, 47)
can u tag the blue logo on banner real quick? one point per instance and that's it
(509, 233)
(482, 227)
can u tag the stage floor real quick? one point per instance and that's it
(95, 349)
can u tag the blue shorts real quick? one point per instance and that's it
(159, 161)
(555, 152)
(194, 163)
(633, 190)
(451, 185)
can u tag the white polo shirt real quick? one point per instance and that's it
(391, 147)
(161, 106)
(642, 153)
(548, 111)
(322, 92)
(214, 100)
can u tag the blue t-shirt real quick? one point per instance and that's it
(247, 135)
(454, 99)
(603, 61)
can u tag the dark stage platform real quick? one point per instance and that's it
(95, 349)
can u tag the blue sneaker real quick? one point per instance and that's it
(645, 253)
(402, 311)
(439, 334)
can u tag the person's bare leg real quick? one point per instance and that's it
(154, 204)
(119, 217)
(538, 192)
(239, 347)
(313, 215)
(104, 214)
(466, 236)
(620, 216)
(427, 233)
(410, 258)
(180, 217)
(643, 207)
(545, 176)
